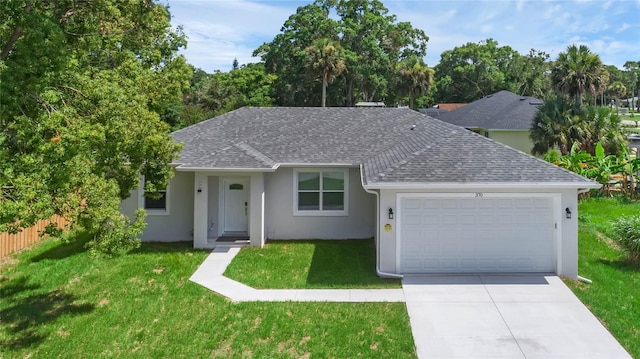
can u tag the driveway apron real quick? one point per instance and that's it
(503, 316)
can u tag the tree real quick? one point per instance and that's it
(83, 84)
(415, 78)
(555, 125)
(221, 92)
(474, 70)
(285, 57)
(559, 123)
(527, 75)
(616, 90)
(372, 41)
(325, 57)
(577, 71)
(632, 77)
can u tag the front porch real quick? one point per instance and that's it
(229, 240)
(228, 209)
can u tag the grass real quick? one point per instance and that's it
(57, 301)
(309, 264)
(614, 295)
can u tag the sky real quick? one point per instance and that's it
(220, 30)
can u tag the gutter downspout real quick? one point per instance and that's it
(377, 239)
(586, 280)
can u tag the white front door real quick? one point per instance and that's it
(236, 204)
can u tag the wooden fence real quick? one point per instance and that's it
(10, 243)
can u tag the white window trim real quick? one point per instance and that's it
(325, 213)
(154, 212)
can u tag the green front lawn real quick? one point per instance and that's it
(309, 264)
(614, 295)
(57, 301)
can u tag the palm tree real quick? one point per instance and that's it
(559, 124)
(326, 58)
(576, 71)
(617, 90)
(555, 125)
(415, 77)
(602, 125)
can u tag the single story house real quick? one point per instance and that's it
(435, 197)
(503, 116)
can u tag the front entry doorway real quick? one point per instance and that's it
(236, 205)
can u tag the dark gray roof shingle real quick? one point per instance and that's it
(379, 138)
(503, 110)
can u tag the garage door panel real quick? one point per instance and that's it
(477, 235)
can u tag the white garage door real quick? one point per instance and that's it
(492, 233)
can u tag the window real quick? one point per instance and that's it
(154, 206)
(153, 203)
(321, 192)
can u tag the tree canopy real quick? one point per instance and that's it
(83, 85)
(577, 71)
(373, 42)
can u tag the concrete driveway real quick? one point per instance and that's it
(503, 316)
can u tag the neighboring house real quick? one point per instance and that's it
(432, 111)
(449, 106)
(436, 197)
(503, 116)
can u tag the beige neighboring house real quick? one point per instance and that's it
(504, 117)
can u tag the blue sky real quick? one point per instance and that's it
(220, 30)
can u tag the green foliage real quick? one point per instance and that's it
(373, 42)
(601, 168)
(474, 70)
(325, 57)
(613, 296)
(414, 78)
(627, 232)
(84, 84)
(214, 94)
(117, 235)
(559, 123)
(577, 71)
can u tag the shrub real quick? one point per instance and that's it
(627, 233)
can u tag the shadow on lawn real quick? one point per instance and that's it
(343, 263)
(30, 308)
(622, 264)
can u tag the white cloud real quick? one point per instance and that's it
(623, 27)
(223, 29)
(485, 29)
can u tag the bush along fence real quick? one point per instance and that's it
(10, 243)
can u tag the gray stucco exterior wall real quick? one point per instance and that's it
(175, 226)
(282, 224)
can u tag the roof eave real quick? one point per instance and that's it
(224, 169)
(484, 185)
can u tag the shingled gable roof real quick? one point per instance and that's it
(380, 139)
(503, 110)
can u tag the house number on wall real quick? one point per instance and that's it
(387, 227)
(478, 195)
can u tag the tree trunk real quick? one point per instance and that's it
(324, 91)
(350, 82)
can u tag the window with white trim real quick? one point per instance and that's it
(321, 192)
(154, 206)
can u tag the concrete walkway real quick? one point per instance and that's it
(466, 316)
(209, 275)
